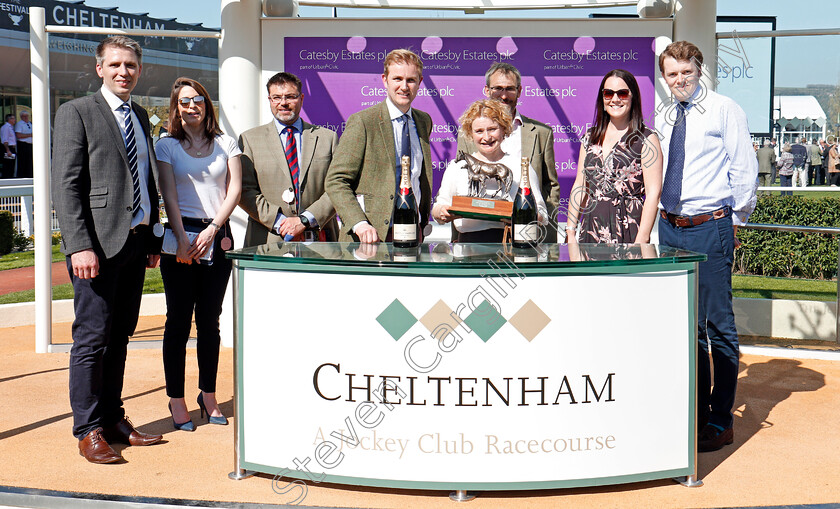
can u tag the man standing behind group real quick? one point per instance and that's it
(766, 162)
(816, 177)
(284, 164)
(363, 177)
(530, 138)
(709, 185)
(104, 187)
(800, 163)
(9, 140)
(23, 132)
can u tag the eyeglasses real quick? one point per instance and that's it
(622, 94)
(499, 90)
(280, 98)
(185, 101)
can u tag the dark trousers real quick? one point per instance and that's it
(199, 288)
(24, 160)
(819, 175)
(715, 318)
(834, 178)
(8, 170)
(786, 181)
(106, 315)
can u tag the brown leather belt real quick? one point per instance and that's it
(689, 221)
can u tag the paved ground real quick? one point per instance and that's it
(785, 450)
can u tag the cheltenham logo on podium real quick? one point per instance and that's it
(484, 321)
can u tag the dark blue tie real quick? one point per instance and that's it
(131, 152)
(672, 186)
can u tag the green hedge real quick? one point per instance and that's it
(7, 232)
(808, 255)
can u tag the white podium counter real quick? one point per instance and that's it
(465, 367)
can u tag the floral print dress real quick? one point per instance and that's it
(615, 190)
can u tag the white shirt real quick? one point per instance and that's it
(456, 182)
(7, 134)
(513, 143)
(143, 154)
(720, 164)
(201, 182)
(24, 128)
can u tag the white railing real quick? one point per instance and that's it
(16, 197)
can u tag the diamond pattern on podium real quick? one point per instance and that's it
(396, 319)
(530, 320)
(440, 314)
(485, 321)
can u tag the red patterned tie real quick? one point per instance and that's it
(292, 159)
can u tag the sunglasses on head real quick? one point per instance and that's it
(622, 94)
(185, 101)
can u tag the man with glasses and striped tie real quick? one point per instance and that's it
(104, 187)
(284, 164)
(708, 189)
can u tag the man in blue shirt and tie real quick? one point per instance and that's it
(708, 190)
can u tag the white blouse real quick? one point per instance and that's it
(201, 182)
(456, 183)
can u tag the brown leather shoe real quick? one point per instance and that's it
(712, 438)
(124, 432)
(96, 450)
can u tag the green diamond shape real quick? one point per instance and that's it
(396, 319)
(485, 321)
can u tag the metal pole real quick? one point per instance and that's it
(238, 473)
(40, 76)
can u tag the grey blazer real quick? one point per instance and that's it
(91, 180)
(265, 175)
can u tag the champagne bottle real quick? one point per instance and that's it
(524, 216)
(406, 217)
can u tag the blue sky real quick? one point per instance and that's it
(799, 60)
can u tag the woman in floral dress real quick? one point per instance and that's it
(616, 192)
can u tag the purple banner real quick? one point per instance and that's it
(560, 78)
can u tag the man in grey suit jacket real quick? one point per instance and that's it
(362, 180)
(530, 138)
(766, 161)
(273, 155)
(104, 187)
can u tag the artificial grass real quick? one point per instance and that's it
(152, 284)
(20, 259)
(763, 287)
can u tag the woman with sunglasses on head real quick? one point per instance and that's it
(201, 180)
(616, 192)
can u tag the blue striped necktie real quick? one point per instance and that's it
(131, 152)
(672, 185)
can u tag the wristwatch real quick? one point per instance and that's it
(304, 221)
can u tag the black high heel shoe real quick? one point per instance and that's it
(220, 420)
(183, 426)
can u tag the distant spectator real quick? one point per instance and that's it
(23, 131)
(800, 163)
(786, 168)
(816, 173)
(766, 162)
(9, 140)
(833, 161)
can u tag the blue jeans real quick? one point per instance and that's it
(715, 318)
(786, 181)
